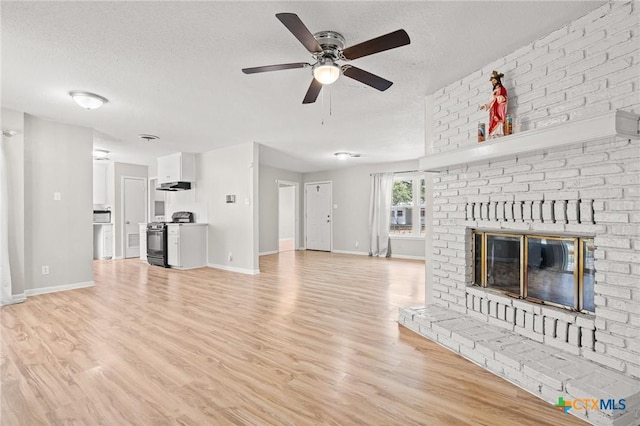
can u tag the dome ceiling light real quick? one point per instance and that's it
(88, 100)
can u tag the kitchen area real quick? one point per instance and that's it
(137, 216)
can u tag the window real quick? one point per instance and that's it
(544, 269)
(407, 206)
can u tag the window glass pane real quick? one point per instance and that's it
(477, 254)
(503, 263)
(588, 249)
(401, 206)
(550, 274)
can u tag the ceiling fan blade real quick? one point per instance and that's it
(300, 31)
(379, 44)
(366, 77)
(279, 67)
(313, 92)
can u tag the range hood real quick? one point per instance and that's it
(174, 186)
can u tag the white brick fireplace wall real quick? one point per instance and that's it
(589, 67)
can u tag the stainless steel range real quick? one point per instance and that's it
(157, 238)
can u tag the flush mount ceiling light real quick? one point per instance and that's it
(326, 71)
(148, 137)
(100, 154)
(88, 100)
(343, 155)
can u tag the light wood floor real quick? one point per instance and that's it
(311, 340)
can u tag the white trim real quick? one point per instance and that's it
(360, 253)
(604, 126)
(406, 256)
(409, 237)
(266, 253)
(234, 269)
(119, 258)
(56, 288)
(15, 298)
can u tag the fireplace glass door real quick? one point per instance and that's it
(546, 269)
(552, 272)
(503, 262)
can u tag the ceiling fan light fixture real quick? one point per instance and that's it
(326, 71)
(88, 100)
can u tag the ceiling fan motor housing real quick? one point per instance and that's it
(332, 43)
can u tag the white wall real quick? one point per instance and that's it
(233, 228)
(58, 234)
(122, 170)
(351, 191)
(269, 178)
(14, 151)
(287, 212)
(187, 201)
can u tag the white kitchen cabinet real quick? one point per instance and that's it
(178, 167)
(187, 245)
(102, 240)
(143, 241)
(99, 183)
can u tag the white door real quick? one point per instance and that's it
(133, 208)
(318, 223)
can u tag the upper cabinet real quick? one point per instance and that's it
(178, 167)
(99, 183)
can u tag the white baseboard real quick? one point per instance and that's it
(266, 253)
(404, 256)
(15, 298)
(234, 269)
(360, 253)
(56, 288)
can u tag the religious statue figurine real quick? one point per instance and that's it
(497, 106)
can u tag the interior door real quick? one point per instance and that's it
(133, 207)
(318, 223)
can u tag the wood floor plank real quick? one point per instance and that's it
(311, 340)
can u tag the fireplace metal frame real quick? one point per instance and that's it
(578, 273)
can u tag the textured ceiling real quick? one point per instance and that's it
(173, 69)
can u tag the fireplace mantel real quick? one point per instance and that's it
(610, 125)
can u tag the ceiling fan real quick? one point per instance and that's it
(326, 47)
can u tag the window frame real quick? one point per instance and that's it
(416, 219)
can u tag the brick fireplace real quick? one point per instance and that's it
(573, 171)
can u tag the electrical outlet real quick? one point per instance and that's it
(230, 257)
(45, 270)
(57, 196)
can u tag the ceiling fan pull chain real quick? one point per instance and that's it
(330, 103)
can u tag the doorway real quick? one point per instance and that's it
(287, 216)
(133, 214)
(318, 214)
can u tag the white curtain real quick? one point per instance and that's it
(379, 214)
(5, 273)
